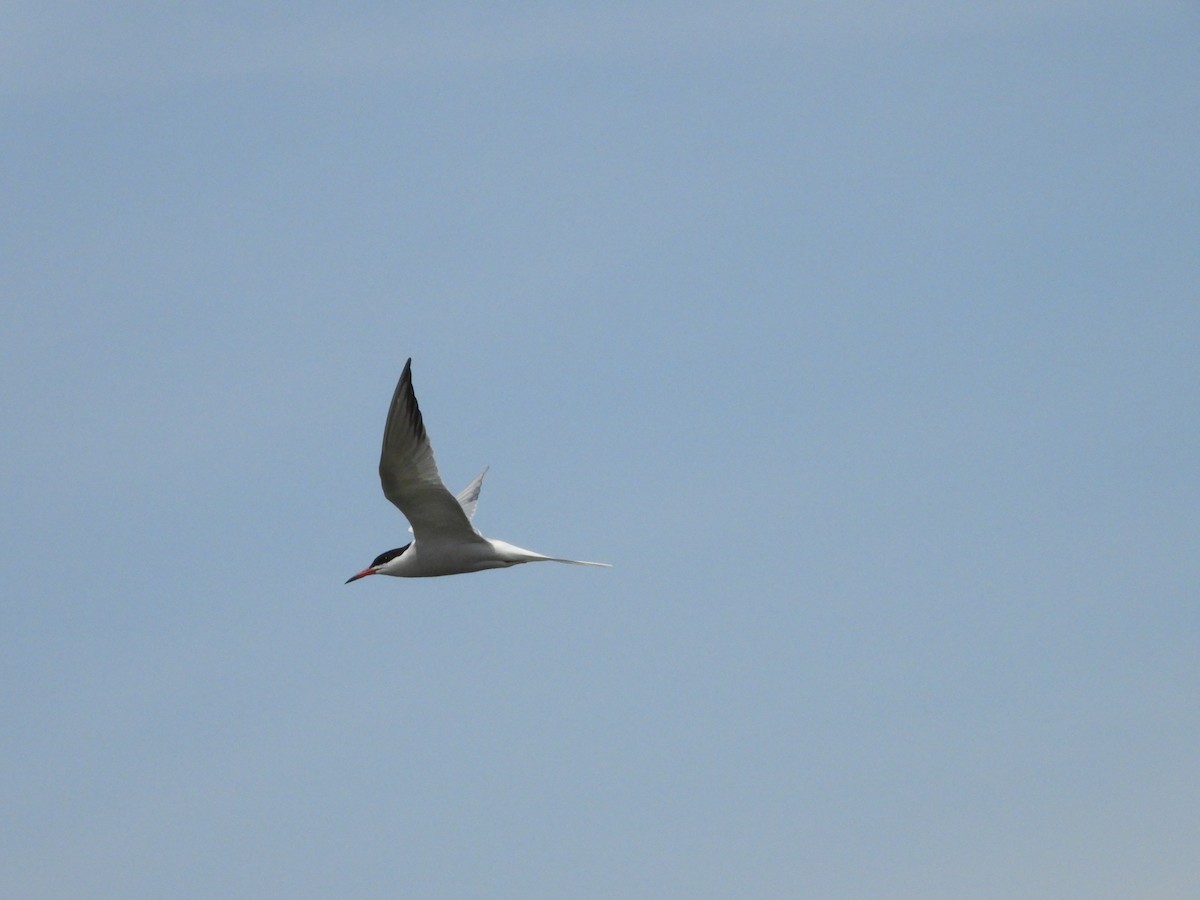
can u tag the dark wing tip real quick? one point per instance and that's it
(414, 410)
(407, 398)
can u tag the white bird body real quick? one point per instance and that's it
(422, 559)
(444, 541)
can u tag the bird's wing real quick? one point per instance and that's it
(468, 497)
(409, 473)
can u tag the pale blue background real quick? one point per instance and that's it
(860, 337)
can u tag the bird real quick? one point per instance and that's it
(444, 540)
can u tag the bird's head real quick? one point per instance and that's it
(378, 563)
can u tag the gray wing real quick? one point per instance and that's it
(409, 473)
(468, 497)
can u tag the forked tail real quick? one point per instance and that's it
(575, 562)
(515, 554)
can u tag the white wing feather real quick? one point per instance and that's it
(468, 497)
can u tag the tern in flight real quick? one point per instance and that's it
(444, 541)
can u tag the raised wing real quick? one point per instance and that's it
(468, 497)
(409, 473)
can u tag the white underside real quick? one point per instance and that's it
(426, 559)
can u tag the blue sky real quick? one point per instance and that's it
(861, 340)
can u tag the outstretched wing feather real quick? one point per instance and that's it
(409, 473)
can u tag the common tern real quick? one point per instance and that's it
(444, 541)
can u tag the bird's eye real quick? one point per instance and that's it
(388, 556)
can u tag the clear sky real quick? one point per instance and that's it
(861, 338)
